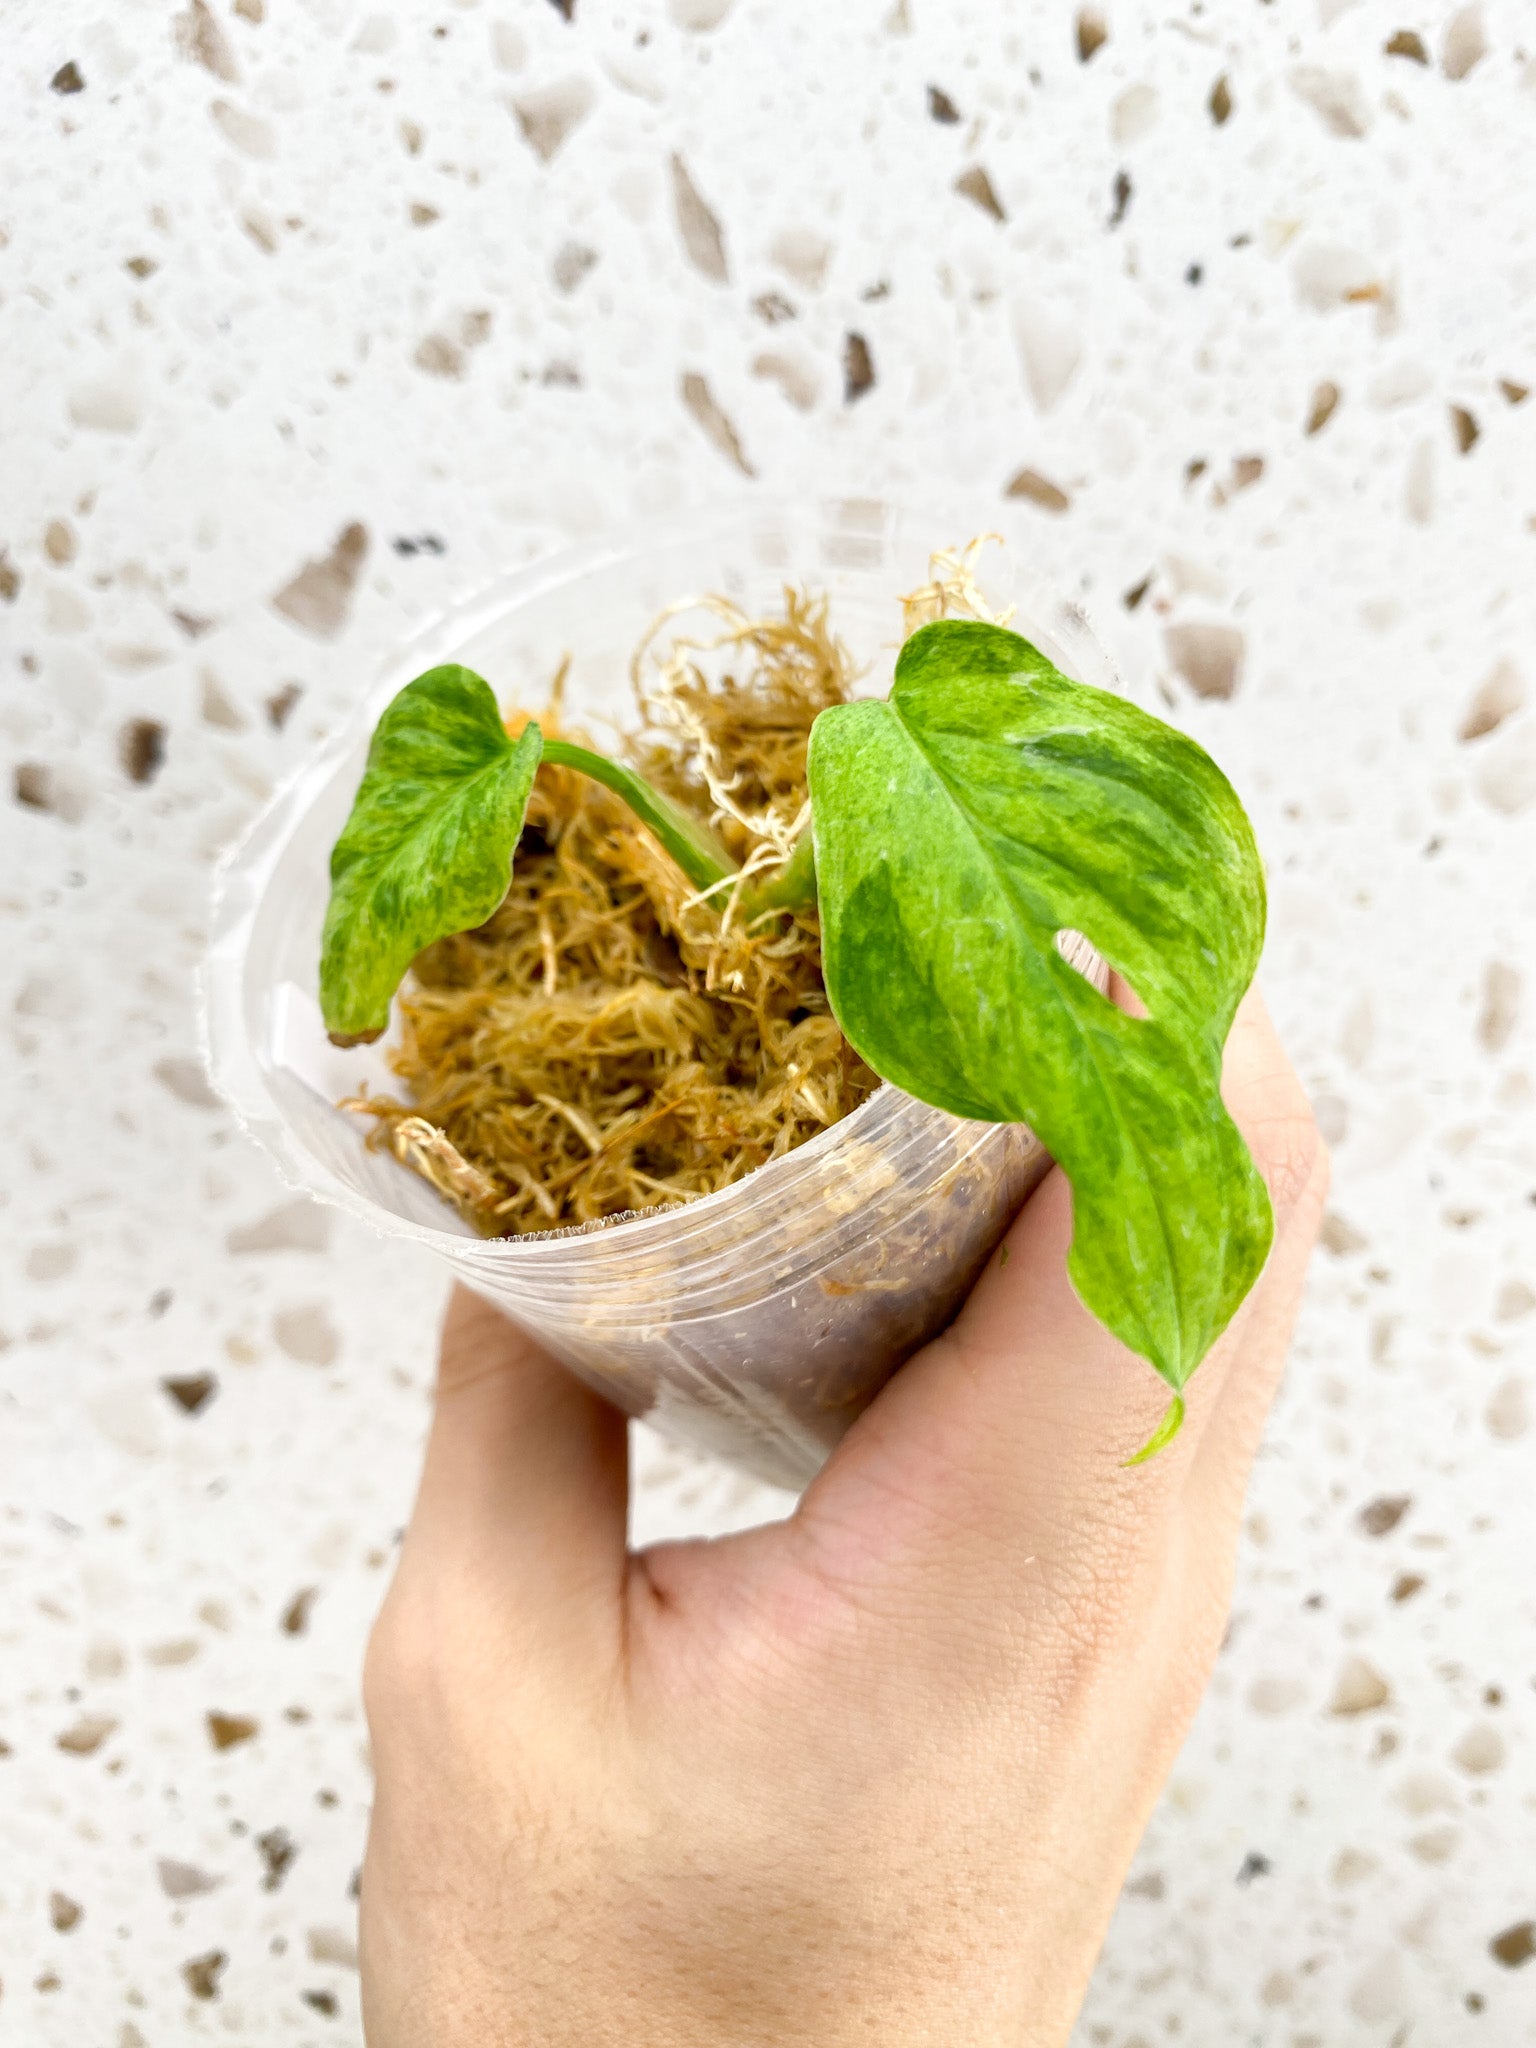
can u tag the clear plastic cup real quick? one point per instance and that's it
(755, 1323)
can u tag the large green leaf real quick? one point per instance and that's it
(427, 849)
(987, 806)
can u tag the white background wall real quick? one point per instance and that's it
(280, 268)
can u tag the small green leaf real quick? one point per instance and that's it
(987, 806)
(427, 849)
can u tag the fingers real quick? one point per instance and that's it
(1012, 1429)
(524, 1492)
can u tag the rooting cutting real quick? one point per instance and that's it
(713, 946)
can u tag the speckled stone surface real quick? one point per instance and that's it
(1239, 302)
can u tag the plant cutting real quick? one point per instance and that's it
(903, 921)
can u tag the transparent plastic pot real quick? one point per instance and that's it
(755, 1323)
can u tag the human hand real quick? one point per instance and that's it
(874, 1773)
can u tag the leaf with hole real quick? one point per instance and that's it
(988, 806)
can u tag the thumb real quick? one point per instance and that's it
(1008, 1435)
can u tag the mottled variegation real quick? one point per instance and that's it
(988, 805)
(427, 849)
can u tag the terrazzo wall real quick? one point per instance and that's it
(315, 315)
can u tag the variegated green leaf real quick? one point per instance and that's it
(988, 806)
(427, 849)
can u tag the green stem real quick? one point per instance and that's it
(690, 842)
(791, 887)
